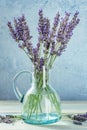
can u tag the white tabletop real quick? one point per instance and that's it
(9, 107)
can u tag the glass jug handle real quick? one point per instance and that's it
(18, 94)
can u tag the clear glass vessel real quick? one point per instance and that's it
(41, 104)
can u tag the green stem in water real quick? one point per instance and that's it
(53, 98)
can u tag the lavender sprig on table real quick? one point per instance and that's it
(8, 119)
(51, 41)
(78, 118)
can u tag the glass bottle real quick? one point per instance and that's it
(41, 103)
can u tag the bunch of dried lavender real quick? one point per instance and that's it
(51, 41)
(9, 118)
(78, 118)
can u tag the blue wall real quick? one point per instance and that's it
(69, 76)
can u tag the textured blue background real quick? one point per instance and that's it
(69, 76)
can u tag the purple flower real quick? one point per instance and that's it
(46, 29)
(56, 20)
(54, 28)
(63, 28)
(40, 13)
(13, 33)
(43, 27)
(35, 56)
(52, 48)
(41, 63)
(21, 31)
(66, 31)
(61, 49)
(40, 24)
(29, 48)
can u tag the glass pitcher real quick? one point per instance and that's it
(41, 103)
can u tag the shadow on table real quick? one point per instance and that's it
(62, 125)
(56, 127)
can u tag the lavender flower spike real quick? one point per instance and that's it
(12, 31)
(66, 31)
(54, 28)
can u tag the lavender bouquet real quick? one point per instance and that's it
(52, 42)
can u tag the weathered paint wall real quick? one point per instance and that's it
(69, 76)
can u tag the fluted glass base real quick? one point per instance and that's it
(44, 118)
